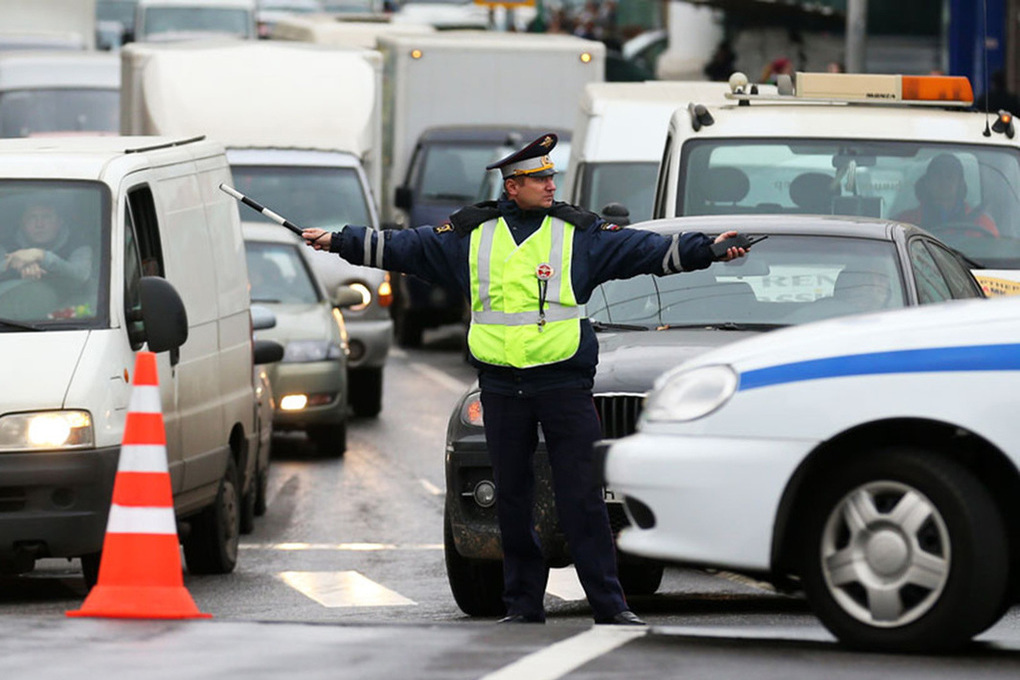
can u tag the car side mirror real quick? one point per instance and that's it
(262, 318)
(403, 198)
(346, 296)
(266, 351)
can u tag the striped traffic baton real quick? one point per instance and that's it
(261, 208)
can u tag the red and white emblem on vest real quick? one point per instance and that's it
(544, 271)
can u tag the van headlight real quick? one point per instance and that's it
(46, 431)
(689, 395)
(303, 351)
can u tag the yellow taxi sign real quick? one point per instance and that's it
(995, 286)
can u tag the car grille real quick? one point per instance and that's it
(618, 413)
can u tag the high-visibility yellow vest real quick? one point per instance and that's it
(505, 325)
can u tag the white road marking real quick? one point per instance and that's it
(430, 487)
(557, 660)
(352, 547)
(439, 377)
(564, 584)
(343, 589)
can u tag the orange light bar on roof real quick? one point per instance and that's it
(937, 89)
(880, 87)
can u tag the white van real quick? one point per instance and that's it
(147, 254)
(618, 139)
(857, 145)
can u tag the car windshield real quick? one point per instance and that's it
(328, 198)
(787, 280)
(122, 11)
(24, 113)
(978, 214)
(630, 184)
(492, 185)
(54, 261)
(278, 274)
(197, 19)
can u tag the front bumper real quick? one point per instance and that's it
(315, 377)
(55, 504)
(713, 500)
(370, 342)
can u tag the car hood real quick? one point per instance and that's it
(40, 383)
(630, 361)
(301, 322)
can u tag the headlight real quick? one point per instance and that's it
(301, 351)
(471, 410)
(689, 395)
(46, 430)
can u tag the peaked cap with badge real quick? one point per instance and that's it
(531, 161)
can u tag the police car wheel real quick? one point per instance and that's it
(477, 585)
(904, 551)
(640, 578)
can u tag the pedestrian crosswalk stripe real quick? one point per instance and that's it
(564, 584)
(352, 547)
(557, 660)
(343, 589)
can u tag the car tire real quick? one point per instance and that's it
(330, 440)
(640, 578)
(90, 568)
(247, 522)
(477, 585)
(212, 543)
(261, 492)
(366, 386)
(905, 551)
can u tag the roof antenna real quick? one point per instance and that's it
(984, 39)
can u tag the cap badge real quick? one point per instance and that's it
(547, 142)
(544, 271)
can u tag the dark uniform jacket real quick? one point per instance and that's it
(601, 251)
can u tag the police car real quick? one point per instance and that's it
(871, 461)
(854, 144)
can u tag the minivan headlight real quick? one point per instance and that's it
(46, 431)
(302, 351)
(689, 395)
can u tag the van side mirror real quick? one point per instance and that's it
(403, 198)
(163, 315)
(346, 296)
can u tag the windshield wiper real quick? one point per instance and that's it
(21, 325)
(609, 326)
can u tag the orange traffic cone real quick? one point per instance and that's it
(140, 570)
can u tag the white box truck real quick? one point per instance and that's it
(301, 126)
(453, 102)
(48, 24)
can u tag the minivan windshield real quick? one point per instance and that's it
(54, 259)
(966, 195)
(308, 196)
(24, 113)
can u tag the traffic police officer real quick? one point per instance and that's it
(528, 264)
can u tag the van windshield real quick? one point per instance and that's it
(162, 23)
(24, 113)
(54, 261)
(630, 184)
(308, 196)
(966, 195)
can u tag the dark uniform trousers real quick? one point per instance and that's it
(570, 424)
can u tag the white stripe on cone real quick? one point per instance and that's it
(139, 520)
(145, 399)
(142, 458)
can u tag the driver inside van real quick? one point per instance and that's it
(943, 209)
(42, 247)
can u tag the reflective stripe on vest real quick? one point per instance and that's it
(505, 328)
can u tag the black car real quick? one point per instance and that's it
(809, 268)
